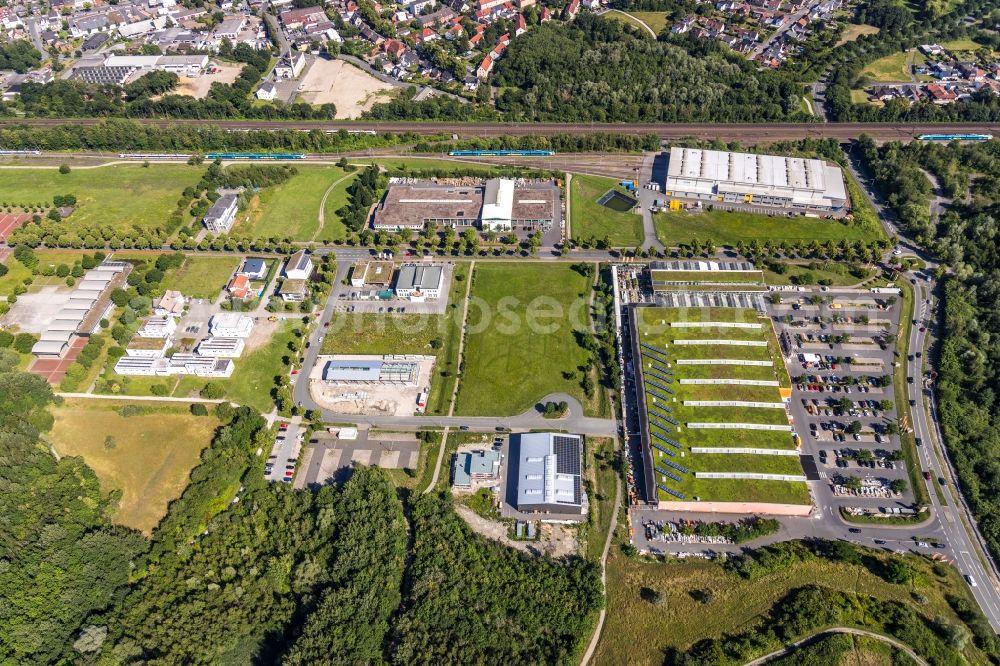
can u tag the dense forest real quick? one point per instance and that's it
(20, 56)
(598, 70)
(244, 571)
(966, 238)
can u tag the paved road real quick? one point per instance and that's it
(140, 398)
(788, 649)
(785, 27)
(747, 133)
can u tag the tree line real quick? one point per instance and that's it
(966, 238)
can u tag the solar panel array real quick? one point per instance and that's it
(660, 368)
(656, 394)
(663, 448)
(667, 474)
(679, 468)
(666, 440)
(655, 350)
(655, 411)
(659, 385)
(660, 426)
(567, 450)
(671, 491)
(659, 377)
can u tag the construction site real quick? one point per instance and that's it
(372, 385)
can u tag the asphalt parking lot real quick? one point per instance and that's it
(281, 462)
(330, 459)
(840, 349)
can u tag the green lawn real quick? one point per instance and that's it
(521, 339)
(728, 228)
(459, 165)
(836, 272)
(653, 324)
(291, 209)
(201, 277)
(962, 45)
(148, 460)
(724, 277)
(116, 196)
(592, 221)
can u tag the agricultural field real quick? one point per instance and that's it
(729, 228)
(639, 631)
(291, 209)
(654, 326)
(146, 457)
(591, 221)
(117, 196)
(202, 277)
(522, 337)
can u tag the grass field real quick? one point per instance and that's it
(117, 196)
(654, 329)
(861, 97)
(201, 277)
(291, 209)
(639, 632)
(370, 333)
(150, 457)
(893, 67)
(520, 337)
(837, 273)
(461, 165)
(591, 220)
(333, 227)
(655, 20)
(600, 474)
(853, 31)
(728, 228)
(962, 45)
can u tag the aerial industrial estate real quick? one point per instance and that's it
(278, 388)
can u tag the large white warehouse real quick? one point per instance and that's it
(764, 180)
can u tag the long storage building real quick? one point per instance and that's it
(764, 180)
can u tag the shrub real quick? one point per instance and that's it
(199, 409)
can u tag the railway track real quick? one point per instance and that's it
(743, 132)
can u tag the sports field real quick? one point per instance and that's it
(117, 196)
(591, 221)
(291, 209)
(667, 394)
(521, 342)
(201, 277)
(729, 228)
(147, 458)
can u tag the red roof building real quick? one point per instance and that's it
(239, 287)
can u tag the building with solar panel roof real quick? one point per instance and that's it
(548, 473)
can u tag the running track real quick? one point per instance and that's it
(11, 221)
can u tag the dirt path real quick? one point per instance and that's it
(454, 392)
(321, 216)
(637, 20)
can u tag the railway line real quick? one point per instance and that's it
(743, 132)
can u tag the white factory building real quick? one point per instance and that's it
(761, 180)
(178, 364)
